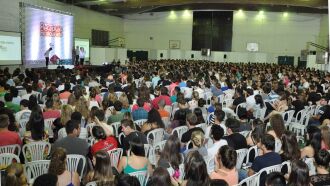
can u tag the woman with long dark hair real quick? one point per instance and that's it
(154, 121)
(195, 171)
(170, 155)
(102, 172)
(160, 177)
(314, 139)
(290, 149)
(299, 175)
(199, 113)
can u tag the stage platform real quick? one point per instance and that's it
(52, 67)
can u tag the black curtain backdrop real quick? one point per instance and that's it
(212, 29)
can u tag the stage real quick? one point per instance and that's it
(52, 67)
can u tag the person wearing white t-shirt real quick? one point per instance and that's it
(46, 54)
(250, 101)
(216, 134)
(82, 54)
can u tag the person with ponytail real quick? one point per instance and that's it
(225, 165)
(102, 173)
(57, 167)
(197, 141)
(15, 175)
(102, 141)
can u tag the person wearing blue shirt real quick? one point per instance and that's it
(140, 113)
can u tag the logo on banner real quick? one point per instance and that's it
(50, 30)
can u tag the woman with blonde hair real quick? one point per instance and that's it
(82, 107)
(15, 175)
(57, 166)
(194, 102)
(102, 172)
(325, 143)
(124, 100)
(197, 141)
(72, 101)
(57, 102)
(278, 128)
(66, 112)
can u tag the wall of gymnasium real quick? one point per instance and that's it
(277, 34)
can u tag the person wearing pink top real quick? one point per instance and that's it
(146, 107)
(171, 88)
(66, 93)
(7, 137)
(164, 96)
(50, 112)
(226, 165)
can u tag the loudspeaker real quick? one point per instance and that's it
(225, 56)
(161, 54)
(192, 56)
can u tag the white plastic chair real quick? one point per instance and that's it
(179, 131)
(274, 168)
(120, 136)
(7, 158)
(288, 115)
(64, 101)
(48, 126)
(278, 145)
(115, 156)
(245, 133)
(157, 136)
(250, 181)
(311, 166)
(118, 94)
(36, 150)
(260, 113)
(299, 128)
(150, 153)
(300, 115)
(166, 121)
(115, 126)
(160, 145)
(22, 124)
(203, 126)
(13, 149)
(168, 108)
(170, 170)
(140, 122)
(253, 148)
(227, 103)
(210, 164)
(241, 153)
(93, 183)
(142, 176)
(35, 169)
(73, 160)
(288, 165)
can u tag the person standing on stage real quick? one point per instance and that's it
(77, 55)
(82, 55)
(46, 54)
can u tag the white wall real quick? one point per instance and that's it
(276, 34)
(153, 31)
(99, 55)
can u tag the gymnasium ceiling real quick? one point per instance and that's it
(124, 7)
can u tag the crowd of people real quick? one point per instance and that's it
(222, 108)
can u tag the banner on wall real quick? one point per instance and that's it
(46, 30)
